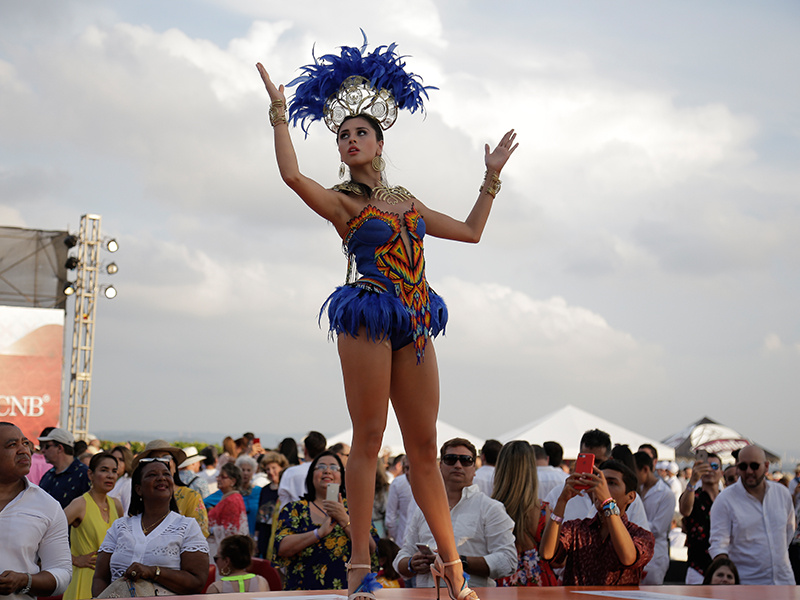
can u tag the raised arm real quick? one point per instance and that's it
(470, 230)
(550, 543)
(620, 537)
(325, 203)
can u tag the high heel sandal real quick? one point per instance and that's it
(368, 585)
(437, 571)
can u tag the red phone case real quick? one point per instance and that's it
(584, 464)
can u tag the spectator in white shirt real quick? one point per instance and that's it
(549, 477)
(484, 476)
(482, 528)
(397, 504)
(32, 523)
(659, 505)
(752, 523)
(208, 469)
(293, 480)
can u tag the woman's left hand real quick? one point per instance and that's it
(139, 571)
(336, 511)
(496, 159)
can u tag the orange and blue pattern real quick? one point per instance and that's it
(393, 266)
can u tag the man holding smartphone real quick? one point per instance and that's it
(606, 549)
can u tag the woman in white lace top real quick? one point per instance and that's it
(156, 543)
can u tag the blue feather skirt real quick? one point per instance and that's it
(353, 306)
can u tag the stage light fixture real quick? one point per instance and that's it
(111, 268)
(69, 288)
(72, 263)
(112, 245)
(110, 291)
(70, 241)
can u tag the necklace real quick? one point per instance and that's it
(318, 508)
(391, 195)
(150, 528)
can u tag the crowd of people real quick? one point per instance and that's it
(154, 523)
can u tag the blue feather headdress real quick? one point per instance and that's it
(335, 87)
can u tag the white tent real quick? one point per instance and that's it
(568, 424)
(393, 441)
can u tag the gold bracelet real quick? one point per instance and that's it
(491, 185)
(277, 112)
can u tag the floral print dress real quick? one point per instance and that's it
(321, 566)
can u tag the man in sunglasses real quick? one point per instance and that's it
(482, 528)
(695, 506)
(752, 523)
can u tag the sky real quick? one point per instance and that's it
(640, 261)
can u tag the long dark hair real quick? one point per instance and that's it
(288, 447)
(137, 503)
(516, 485)
(311, 491)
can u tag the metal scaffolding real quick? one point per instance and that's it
(86, 290)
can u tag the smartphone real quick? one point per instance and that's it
(256, 441)
(332, 493)
(702, 455)
(424, 549)
(584, 464)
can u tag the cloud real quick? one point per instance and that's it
(773, 345)
(515, 330)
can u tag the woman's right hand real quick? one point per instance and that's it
(326, 527)
(85, 561)
(275, 93)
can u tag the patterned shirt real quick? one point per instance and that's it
(71, 483)
(320, 566)
(592, 560)
(698, 529)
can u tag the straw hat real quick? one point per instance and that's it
(159, 446)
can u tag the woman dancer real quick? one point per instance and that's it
(385, 319)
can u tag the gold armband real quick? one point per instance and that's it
(491, 184)
(277, 112)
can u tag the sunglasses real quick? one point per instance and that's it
(754, 466)
(333, 468)
(162, 459)
(714, 466)
(466, 460)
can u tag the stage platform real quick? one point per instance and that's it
(665, 592)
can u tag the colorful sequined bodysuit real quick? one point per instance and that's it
(391, 298)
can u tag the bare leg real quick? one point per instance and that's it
(415, 397)
(366, 368)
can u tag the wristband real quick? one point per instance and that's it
(610, 509)
(607, 501)
(410, 568)
(28, 585)
(316, 534)
(556, 518)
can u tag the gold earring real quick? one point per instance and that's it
(378, 164)
(342, 171)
